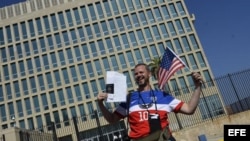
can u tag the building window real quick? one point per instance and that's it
(135, 20)
(173, 10)
(31, 28)
(81, 71)
(114, 7)
(30, 66)
(127, 22)
(25, 87)
(19, 108)
(186, 44)
(11, 110)
(122, 6)
(81, 33)
(150, 16)
(28, 106)
(61, 20)
(194, 42)
(69, 18)
(171, 28)
(73, 112)
(178, 46)
(33, 84)
(66, 38)
(180, 8)
(97, 32)
(61, 57)
(38, 64)
(99, 10)
(187, 25)
(78, 54)
(183, 58)
(57, 78)
(3, 113)
(106, 63)
(46, 23)
(39, 26)
(165, 12)
(154, 51)
(211, 106)
(78, 92)
(17, 89)
(24, 30)
(3, 54)
(31, 123)
(164, 31)
(77, 16)
(98, 67)
(61, 97)
(82, 112)
(92, 12)
(179, 26)
(6, 72)
(157, 14)
(69, 95)
(133, 39)
(114, 62)
(93, 49)
(138, 56)
(8, 90)
(1, 94)
(208, 79)
(91, 110)
(130, 5)
(146, 54)
(94, 88)
(148, 34)
(86, 90)
(122, 60)
(89, 31)
(130, 58)
(73, 36)
(109, 45)
(192, 61)
(156, 33)
(39, 123)
(84, 14)
(201, 60)
(45, 101)
(69, 55)
(36, 103)
(183, 84)
(16, 32)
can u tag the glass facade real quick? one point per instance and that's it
(57, 62)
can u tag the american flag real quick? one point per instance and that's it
(170, 63)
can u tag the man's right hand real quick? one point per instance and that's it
(102, 96)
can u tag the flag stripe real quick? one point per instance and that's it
(170, 64)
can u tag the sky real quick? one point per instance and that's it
(223, 27)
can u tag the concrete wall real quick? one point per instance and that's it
(213, 130)
(12, 134)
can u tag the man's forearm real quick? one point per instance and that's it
(106, 113)
(194, 99)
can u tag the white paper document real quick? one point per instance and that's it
(116, 86)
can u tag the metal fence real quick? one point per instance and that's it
(229, 94)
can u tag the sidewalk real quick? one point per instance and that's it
(215, 138)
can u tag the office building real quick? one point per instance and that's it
(55, 54)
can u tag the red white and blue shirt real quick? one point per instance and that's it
(158, 102)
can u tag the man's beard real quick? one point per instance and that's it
(142, 83)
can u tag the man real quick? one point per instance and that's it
(148, 109)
